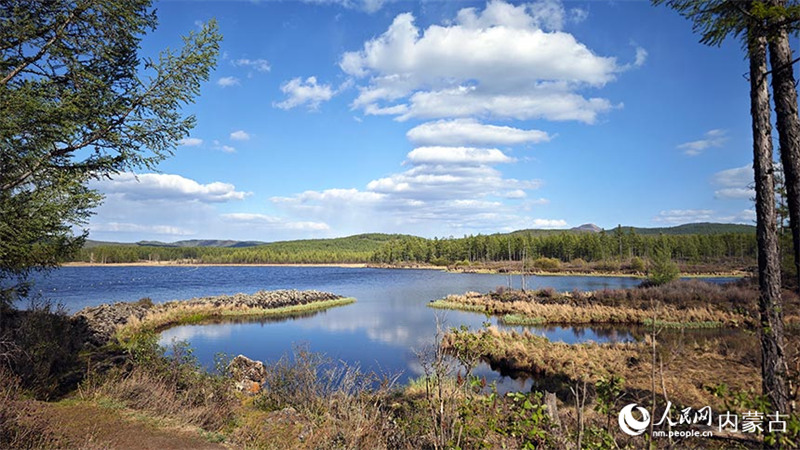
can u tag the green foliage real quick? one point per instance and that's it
(609, 390)
(637, 264)
(528, 419)
(662, 269)
(144, 348)
(598, 438)
(75, 106)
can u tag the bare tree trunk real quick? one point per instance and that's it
(785, 94)
(773, 360)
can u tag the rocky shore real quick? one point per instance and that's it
(105, 320)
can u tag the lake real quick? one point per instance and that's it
(383, 331)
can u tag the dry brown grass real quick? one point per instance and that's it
(308, 402)
(570, 313)
(169, 385)
(689, 370)
(201, 403)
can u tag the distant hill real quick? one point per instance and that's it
(202, 243)
(587, 228)
(697, 228)
(371, 241)
(359, 242)
(90, 243)
(704, 228)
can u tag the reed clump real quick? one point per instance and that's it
(688, 369)
(545, 306)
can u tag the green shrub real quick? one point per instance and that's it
(662, 269)
(637, 264)
(547, 263)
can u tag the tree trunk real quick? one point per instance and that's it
(773, 362)
(788, 124)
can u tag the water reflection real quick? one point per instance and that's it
(382, 331)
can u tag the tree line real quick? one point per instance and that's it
(590, 247)
(219, 255)
(617, 245)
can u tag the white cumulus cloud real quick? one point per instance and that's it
(123, 227)
(306, 92)
(369, 6)
(458, 155)
(446, 189)
(734, 183)
(260, 65)
(190, 142)
(548, 223)
(228, 81)
(711, 139)
(157, 186)
(240, 135)
(266, 221)
(681, 216)
(504, 61)
(472, 132)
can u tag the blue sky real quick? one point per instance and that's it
(328, 118)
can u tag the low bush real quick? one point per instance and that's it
(43, 348)
(327, 405)
(547, 263)
(606, 266)
(440, 262)
(636, 264)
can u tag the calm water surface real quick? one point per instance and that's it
(382, 331)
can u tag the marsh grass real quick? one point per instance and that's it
(694, 325)
(537, 310)
(456, 305)
(690, 365)
(519, 319)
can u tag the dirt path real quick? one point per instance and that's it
(91, 426)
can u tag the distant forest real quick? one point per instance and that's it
(567, 247)
(709, 244)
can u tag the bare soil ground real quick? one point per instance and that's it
(91, 425)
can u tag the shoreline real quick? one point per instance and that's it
(188, 264)
(477, 270)
(126, 320)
